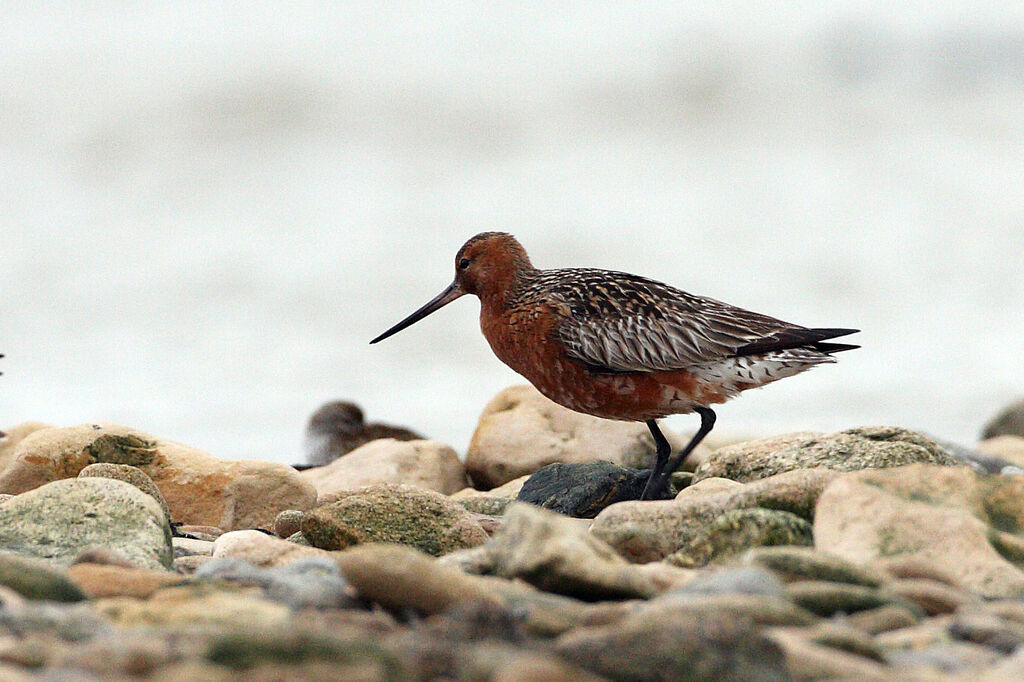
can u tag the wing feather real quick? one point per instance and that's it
(626, 323)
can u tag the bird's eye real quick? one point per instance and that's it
(463, 263)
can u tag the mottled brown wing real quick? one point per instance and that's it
(626, 323)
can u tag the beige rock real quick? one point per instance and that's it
(198, 488)
(14, 435)
(651, 531)
(850, 450)
(709, 486)
(261, 549)
(196, 606)
(422, 463)
(938, 514)
(193, 546)
(807, 660)
(558, 555)
(521, 431)
(100, 581)
(128, 474)
(1010, 448)
(400, 577)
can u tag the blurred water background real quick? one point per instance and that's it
(208, 209)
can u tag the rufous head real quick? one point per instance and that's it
(488, 264)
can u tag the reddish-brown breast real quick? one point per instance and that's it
(525, 338)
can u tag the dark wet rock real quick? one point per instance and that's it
(733, 580)
(883, 619)
(948, 517)
(307, 582)
(650, 531)
(35, 579)
(393, 513)
(807, 563)
(691, 645)
(850, 450)
(60, 519)
(828, 598)
(288, 523)
(338, 427)
(558, 555)
(1008, 422)
(128, 474)
(582, 489)
(738, 530)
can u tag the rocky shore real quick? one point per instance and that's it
(873, 553)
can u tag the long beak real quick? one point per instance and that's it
(444, 298)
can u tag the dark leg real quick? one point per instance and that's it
(664, 466)
(661, 455)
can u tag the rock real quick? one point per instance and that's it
(582, 489)
(809, 660)
(199, 489)
(338, 427)
(14, 435)
(35, 579)
(208, 533)
(940, 515)
(128, 474)
(944, 658)
(308, 582)
(288, 522)
(1007, 448)
(187, 565)
(850, 450)
(738, 530)
(557, 555)
(494, 501)
(37, 620)
(190, 547)
(806, 563)
(277, 654)
(733, 580)
(60, 519)
(261, 549)
(844, 637)
(988, 629)
(883, 619)
(401, 578)
(101, 581)
(1009, 422)
(104, 556)
(521, 431)
(692, 645)
(827, 598)
(932, 596)
(708, 486)
(425, 464)
(196, 607)
(393, 513)
(650, 531)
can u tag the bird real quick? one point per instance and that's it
(338, 427)
(621, 346)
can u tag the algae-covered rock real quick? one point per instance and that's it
(738, 530)
(860, 448)
(60, 519)
(399, 514)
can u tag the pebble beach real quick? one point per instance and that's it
(872, 553)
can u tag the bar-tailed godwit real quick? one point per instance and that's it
(625, 347)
